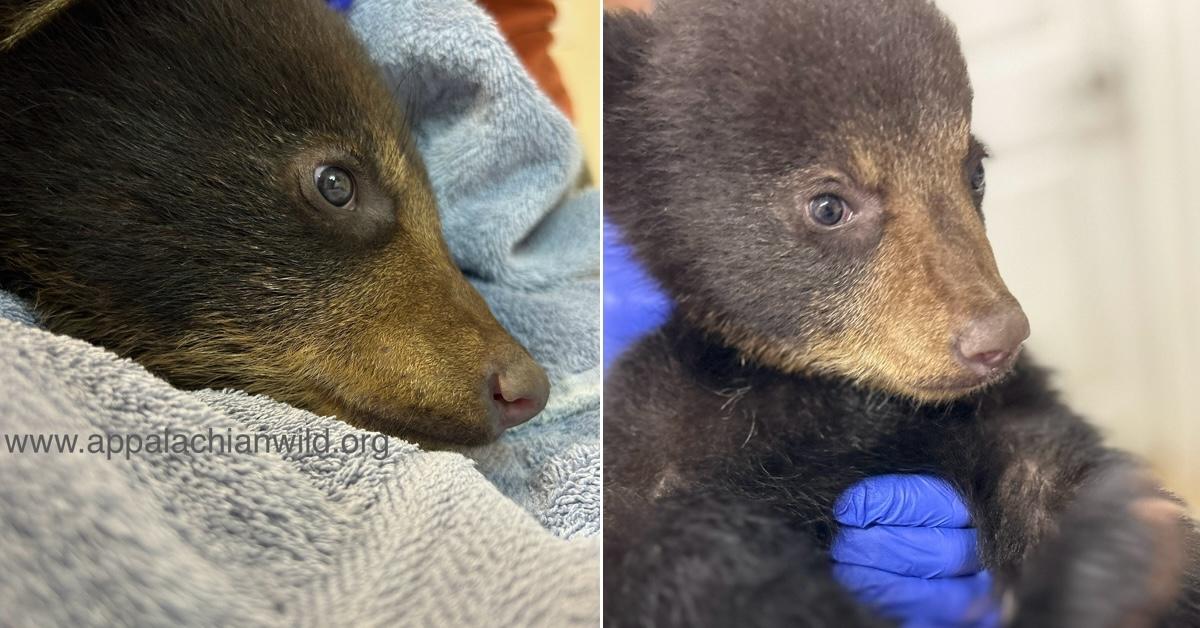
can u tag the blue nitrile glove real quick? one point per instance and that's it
(907, 549)
(340, 5)
(633, 304)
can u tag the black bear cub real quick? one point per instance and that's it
(801, 177)
(227, 192)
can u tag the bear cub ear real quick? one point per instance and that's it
(627, 38)
(21, 18)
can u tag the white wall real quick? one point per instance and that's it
(1092, 110)
(576, 50)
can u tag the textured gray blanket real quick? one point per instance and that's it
(269, 515)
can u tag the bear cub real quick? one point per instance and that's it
(227, 192)
(801, 178)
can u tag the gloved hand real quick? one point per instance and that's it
(633, 304)
(907, 549)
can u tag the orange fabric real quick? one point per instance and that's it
(526, 26)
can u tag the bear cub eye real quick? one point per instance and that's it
(829, 210)
(335, 184)
(979, 180)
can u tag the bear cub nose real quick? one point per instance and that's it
(518, 390)
(992, 341)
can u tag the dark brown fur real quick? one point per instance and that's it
(801, 360)
(156, 157)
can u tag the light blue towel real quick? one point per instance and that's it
(504, 534)
(506, 166)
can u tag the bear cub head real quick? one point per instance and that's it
(227, 192)
(801, 177)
